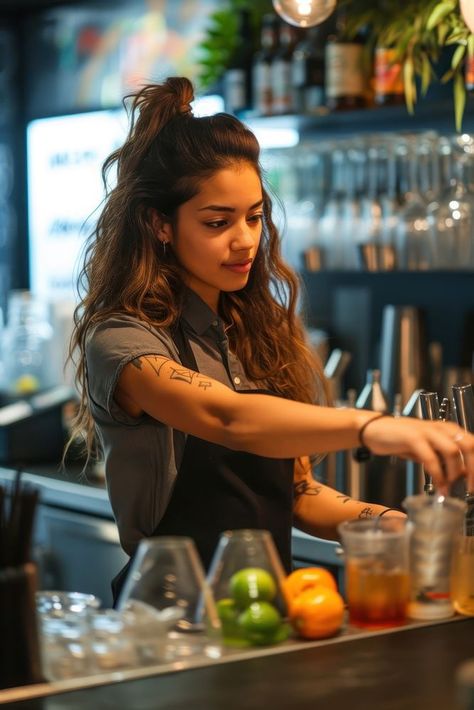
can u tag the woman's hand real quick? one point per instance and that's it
(445, 449)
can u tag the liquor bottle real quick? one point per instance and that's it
(307, 71)
(346, 74)
(388, 78)
(281, 70)
(238, 76)
(261, 66)
(469, 73)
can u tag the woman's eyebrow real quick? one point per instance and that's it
(223, 208)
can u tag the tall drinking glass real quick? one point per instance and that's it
(377, 572)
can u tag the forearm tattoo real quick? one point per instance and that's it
(183, 374)
(345, 499)
(366, 512)
(305, 488)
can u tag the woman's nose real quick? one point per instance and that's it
(243, 237)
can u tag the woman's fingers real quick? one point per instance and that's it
(465, 443)
(445, 449)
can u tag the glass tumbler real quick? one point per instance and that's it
(462, 572)
(377, 573)
(435, 522)
(166, 584)
(246, 576)
(64, 632)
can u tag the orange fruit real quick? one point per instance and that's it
(306, 578)
(317, 613)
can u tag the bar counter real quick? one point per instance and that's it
(410, 668)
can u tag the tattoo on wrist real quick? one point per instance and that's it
(345, 499)
(305, 488)
(367, 512)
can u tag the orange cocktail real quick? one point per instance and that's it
(376, 598)
(377, 584)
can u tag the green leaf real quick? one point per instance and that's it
(440, 11)
(459, 94)
(470, 45)
(455, 37)
(443, 31)
(425, 73)
(458, 56)
(409, 82)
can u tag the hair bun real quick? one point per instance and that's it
(185, 109)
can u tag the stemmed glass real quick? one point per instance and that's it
(165, 587)
(451, 217)
(247, 578)
(412, 233)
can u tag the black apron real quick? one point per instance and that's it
(220, 489)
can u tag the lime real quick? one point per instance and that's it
(252, 584)
(260, 622)
(266, 639)
(228, 612)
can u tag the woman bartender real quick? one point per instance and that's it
(193, 368)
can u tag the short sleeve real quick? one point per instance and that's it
(110, 346)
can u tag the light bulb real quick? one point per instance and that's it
(467, 11)
(305, 13)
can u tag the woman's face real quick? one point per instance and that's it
(218, 231)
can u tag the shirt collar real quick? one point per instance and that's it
(198, 314)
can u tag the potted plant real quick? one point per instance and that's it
(221, 38)
(423, 33)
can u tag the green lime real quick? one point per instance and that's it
(228, 612)
(260, 622)
(267, 639)
(252, 584)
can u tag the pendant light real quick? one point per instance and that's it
(304, 13)
(467, 11)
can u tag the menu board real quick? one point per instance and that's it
(64, 160)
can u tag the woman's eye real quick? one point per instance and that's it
(216, 223)
(255, 217)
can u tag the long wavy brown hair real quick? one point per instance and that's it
(165, 156)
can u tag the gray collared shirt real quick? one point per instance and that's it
(142, 455)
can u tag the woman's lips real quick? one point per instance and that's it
(243, 267)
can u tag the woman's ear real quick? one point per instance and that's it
(161, 226)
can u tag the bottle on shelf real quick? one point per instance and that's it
(261, 66)
(238, 75)
(388, 78)
(347, 84)
(283, 100)
(469, 73)
(308, 70)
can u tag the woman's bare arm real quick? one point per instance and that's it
(276, 427)
(318, 509)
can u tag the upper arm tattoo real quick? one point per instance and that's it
(305, 488)
(183, 374)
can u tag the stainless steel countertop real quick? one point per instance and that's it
(66, 490)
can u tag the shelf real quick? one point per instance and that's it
(429, 115)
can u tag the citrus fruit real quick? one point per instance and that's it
(228, 612)
(306, 578)
(252, 584)
(318, 612)
(260, 622)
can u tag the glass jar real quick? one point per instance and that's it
(462, 576)
(26, 344)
